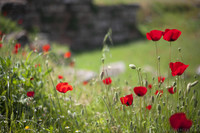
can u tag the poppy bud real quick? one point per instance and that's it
(183, 103)
(199, 113)
(159, 109)
(163, 103)
(96, 124)
(174, 84)
(131, 125)
(146, 83)
(139, 69)
(194, 92)
(159, 58)
(194, 83)
(172, 111)
(102, 60)
(188, 87)
(152, 99)
(116, 96)
(179, 49)
(132, 66)
(195, 103)
(177, 107)
(82, 112)
(179, 93)
(76, 122)
(101, 75)
(163, 118)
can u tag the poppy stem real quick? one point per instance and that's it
(140, 113)
(138, 71)
(170, 52)
(178, 89)
(156, 59)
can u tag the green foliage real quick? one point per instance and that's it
(8, 25)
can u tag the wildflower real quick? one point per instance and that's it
(178, 121)
(27, 127)
(1, 45)
(67, 127)
(171, 35)
(154, 35)
(171, 90)
(63, 87)
(150, 86)
(20, 21)
(77, 131)
(67, 55)
(32, 78)
(127, 100)
(85, 82)
(30, 94)
(71, 64)
(5, 13)
(37, 65)
(177, 68)
(161, 79)
(148, 107)
(107, 81)
(46, 48)
(159, 92)
(17, 45)
(15, 51)
(1, 35)
(60, 76)
(140, 90)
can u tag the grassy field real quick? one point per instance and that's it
(96, 107)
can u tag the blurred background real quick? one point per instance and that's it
(79, 26)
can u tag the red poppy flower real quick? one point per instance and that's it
(30, 94)
(85, 82)
(15, 51)
(154, 35)
(150, 86)
(17, 45)
(140, 90)
(71, 64)
(32, 78)
(178, 121)
(67, 55)
(148, 107)
(24, 53)
(177, 68)
(161, 79)
(5, 13)
(20, 21)
(159, 91)
(171, 90)
(60, 76)
(46, 48)
(107, 81)
(1, 45)
(37, 65)
(127, 100)
(171, 35)
(63, 87)
(1, 35)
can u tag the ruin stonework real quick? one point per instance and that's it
(79, 23)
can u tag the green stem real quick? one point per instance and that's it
(156, 59)
(177, 90)
(170, 52)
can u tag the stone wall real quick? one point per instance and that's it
(80, 23)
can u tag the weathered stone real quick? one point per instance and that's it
(114, 69)
(79, 23)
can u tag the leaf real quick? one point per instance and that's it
(47, 72)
